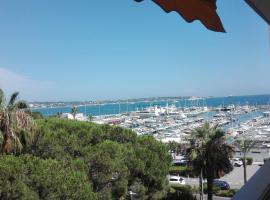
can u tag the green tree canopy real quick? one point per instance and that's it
(32, 178)
(116, 160)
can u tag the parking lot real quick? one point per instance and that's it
(235, 178)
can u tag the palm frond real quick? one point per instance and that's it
(209, 149)
(15, 123)
(23, 121)
(2, 98)
(24, 129)
(21, 105)
(18, 147)
(13, 99)
(217, 133)
(74, 111)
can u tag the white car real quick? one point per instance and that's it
(237, 162)
(176, 180)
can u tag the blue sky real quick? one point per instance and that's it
(100, 49)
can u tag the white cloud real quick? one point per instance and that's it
(29, 89)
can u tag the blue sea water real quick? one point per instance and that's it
(110, 109)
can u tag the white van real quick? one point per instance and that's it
(237, 162)
(176, 180)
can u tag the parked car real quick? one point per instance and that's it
(176, 180)
(180, 162)
(223, 185)
(237, 162)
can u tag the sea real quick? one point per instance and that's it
(118, 108)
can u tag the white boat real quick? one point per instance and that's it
(266, 114)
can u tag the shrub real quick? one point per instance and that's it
(180, 192)
(174, 170)
(249, 160)
(215, 189)
(226, 193)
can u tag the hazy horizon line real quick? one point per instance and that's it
(155, 97)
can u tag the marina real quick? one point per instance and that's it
(174, 118)
(246, 117)
(170, 123)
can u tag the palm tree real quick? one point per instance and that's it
(245, 145)
(58, 115)
(210, 155)
(90, 118)
(15, 124)
(196, 152)
(74, 111)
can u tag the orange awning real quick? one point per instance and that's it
(191, 10)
